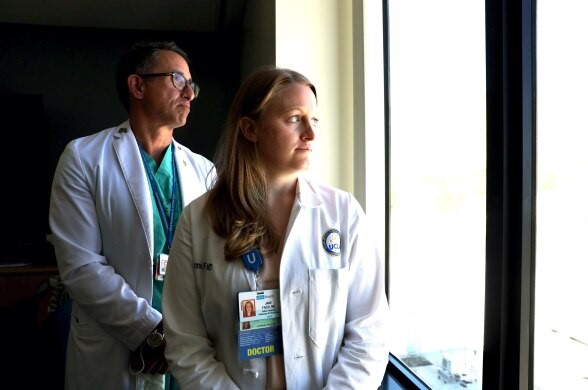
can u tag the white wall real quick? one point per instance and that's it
(337, 44)
(314, 37)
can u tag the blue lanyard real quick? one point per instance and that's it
(167, 224)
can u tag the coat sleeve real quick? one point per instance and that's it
(363, 356)
(189, 350)
(92, 282)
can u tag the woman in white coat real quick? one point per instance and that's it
(300, 249)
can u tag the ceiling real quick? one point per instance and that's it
(172, 15)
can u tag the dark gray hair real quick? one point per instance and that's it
(141, 58)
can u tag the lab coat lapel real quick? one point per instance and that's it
(302, 223)
(186, 175)
(129, 158)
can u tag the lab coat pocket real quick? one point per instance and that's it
(87, 332)
(82, 319)
(327, 304)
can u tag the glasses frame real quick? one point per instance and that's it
(189, 83)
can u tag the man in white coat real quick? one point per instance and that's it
(116, 198)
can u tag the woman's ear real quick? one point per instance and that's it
(135, 84)
(248, 128)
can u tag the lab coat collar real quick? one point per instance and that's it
(307, 196)
(187, 178)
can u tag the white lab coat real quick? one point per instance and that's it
(101, 218)
(335, 316)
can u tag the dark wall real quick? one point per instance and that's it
(69, 74)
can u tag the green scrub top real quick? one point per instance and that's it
(164, 181)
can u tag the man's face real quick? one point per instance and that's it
(165, 104)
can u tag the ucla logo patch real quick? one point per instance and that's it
(332, 242)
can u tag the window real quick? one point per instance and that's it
(437, 216)
(561, 320)
(432, 199)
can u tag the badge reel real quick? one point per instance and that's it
(252, 261)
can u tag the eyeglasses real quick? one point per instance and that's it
(178, 81)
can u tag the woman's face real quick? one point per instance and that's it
(287, 130)
(248, 308)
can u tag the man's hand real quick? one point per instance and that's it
(149, 357)
(155, 362)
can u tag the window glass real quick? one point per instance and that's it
(438, 188)
(561, 290)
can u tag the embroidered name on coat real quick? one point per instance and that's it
(203, 266)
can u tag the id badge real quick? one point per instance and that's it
(260, 325)
(160, 266)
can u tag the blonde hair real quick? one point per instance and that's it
(237, 202)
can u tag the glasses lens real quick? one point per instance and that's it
(179, 81)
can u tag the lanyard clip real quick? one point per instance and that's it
(252, 260)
